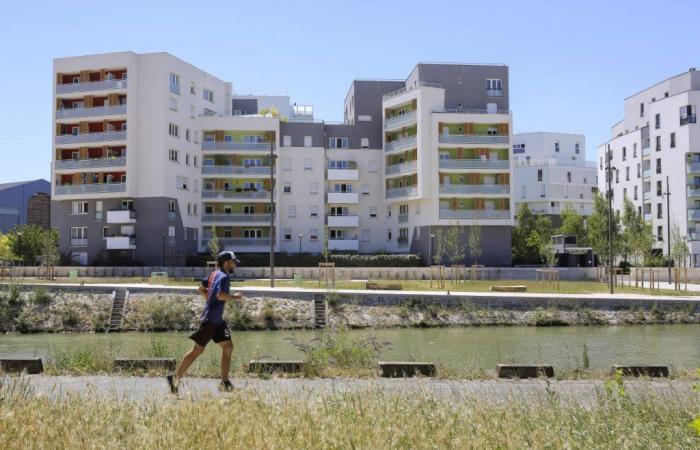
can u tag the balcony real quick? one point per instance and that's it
(474, 164)
(95, 188)
(475, 214)
(121, 216)
(245, 244)
(343, 221)
(344, 245)
(343, 197)
(693, 167)
(400, 120)
(400, 144)
(694, 191)
(494, 92)
(237, 195)
(105, 85)
(401, 192)
(175, 88)
(98, 111)
(472, 139)
(646, 196)
(95, 163)
(403, 218)
(104, 136)
(245, 218)
(343, 175)
(469, 189)
(236, 170)
(401, 169)
(241, 146)
(120, 242)
(78, 242)
(694, 214)
(689, 118)
(693, 236)
(646, 152)
(646, 173)
(647, 217)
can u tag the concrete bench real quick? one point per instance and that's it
(382, 287)
(508, 288)
(524, 371)
(144, 364)
(32, 366)
(269, 366)
(406, 369)
(642, 371)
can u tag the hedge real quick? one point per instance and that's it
(312, 260)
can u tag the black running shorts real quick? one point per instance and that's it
(208, 331)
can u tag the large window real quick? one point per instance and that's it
(337, 142)
(79, 207)
(688, 114)
(494, 87)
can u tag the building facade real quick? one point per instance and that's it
(656, 144)
(196, 161)
(550, 172)
(15, 201)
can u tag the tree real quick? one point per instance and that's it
(474, 242)
(214, 247)
(27, 242)
(540, 238)
(572, 223)
(49, 251)
(439, 250)
(453, 246)
(679, 246)
(632, 225)
(325, 251)
(598, 229)
(525, 224)
(6, 253)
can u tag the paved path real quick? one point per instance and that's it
(274, 390)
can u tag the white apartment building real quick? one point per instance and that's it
(410, 157)
(658, 140)
(550, 172)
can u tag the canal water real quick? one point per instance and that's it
(463, 348)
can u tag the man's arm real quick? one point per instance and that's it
(203, 291)
(224, 297)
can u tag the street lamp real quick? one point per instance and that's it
(300, 236)
(430, 249)
(667, 194)
(162, 251)
(608, 172)
(19, 249)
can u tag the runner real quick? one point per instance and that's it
(215, 288)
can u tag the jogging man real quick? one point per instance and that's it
(215, 289)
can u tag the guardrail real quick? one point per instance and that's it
(400, 120)
(248, 146)
(235, 217)
(90, 188)
(474, 189)
(405, 89)
(69, 113)
(474, 164)
(400, 144)
(244, 195)
(472, 139)
(104, 85)
(400, 169)
(91, 137)
(401, 192)
(236, 170)
(90, 163)
(475, 214)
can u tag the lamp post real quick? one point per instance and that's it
(19, 249)
(162, 251)
(667, 194)
(430, 249)
(300, 235)
(608, 172)
(272, 209)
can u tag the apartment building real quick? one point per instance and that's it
(550, 173)
(658, 140)
(411, 156)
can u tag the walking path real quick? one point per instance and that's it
(274, 390)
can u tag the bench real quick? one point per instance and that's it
(405, 369)
(32, 366)
(144, 364)
(642, 371)
(524, 371)
(269, 366)
(508, 288)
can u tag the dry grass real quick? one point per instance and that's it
(371, 419)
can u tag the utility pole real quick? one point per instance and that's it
(272, 210)
(667, 194)
(608, 172)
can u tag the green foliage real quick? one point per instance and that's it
(454, 249)
(598, 229)
(474, 243)
(29, 242)
(586, 360)
(160, 313)
(572, 223)
(679, 246)
(340, 260)
(268, 315)
(541, 317)
(213, 245)
(41, 296)
(6, 250)
(530, 237)
(439, 247)
(237, 317)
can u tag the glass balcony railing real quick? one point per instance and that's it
(400, 144)
(93, 163)
(231, 145)
(235, 170)
(104, 136)
(693, 167)
(474, 188)
(474, 214)
(105, 85)
(400, 120)
(97, 111)
(401, 169)
(223, 217)
(472, 139)
(237, 195)
(479, 164)
(243, 242)
(96, 188)
(401, 192)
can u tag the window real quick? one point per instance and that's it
(556, 147)
(659, 233)
(624, 153)
(364, 142)
(635, 192)
(194, 161)
(658, 188)
(291, 211)
(173, 104)
(365, 189)
(286, 141)
(338, 211)
(187, 134)
(658, 143)
(78, 233)
(342, 187)
(658, 165)
(624, 192)
(105, 232)
(388, 234)
(175, 83)
(307, 164)
(659, 211)
(634, 150)
(287, 234)
(207, 95)
(641, 110)
(191, 111)
(627, 173)
(308, 141)
(313, 211)
(173, 155)
(403, 235)
(286, 164)
(189, 209)
(172, 206)
(494, 87)
(187, 159)
(657, 121)
(639, 170)
(192, 88)
(173, 130)
(688, 114)
(313, 234)
(388, 211)
(313, 188)
(539, 174)
(181, 182)
(252, 234)
(337, 142)
(194, 209)
(673, 140)
(79, 208)
(577, 148)
(372, 212)
(373, 167)
(364, 235)
(98, 209)
(287, 187)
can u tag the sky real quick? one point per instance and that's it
(571, 63)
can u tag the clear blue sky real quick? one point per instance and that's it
(571, 63)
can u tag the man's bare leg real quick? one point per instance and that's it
(226, 352)
(187, 361)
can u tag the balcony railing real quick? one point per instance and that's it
(94, 163)
(401, 192)
(226, 145)
(479, 164)
(474, 214)
(344, 244)
(95, 188)
(237, 195)
(494, 92)
(400, 120)
(400, 144)
(472, 139)
(235, 217)
(694, 214)
(175, 88)
(690, 118)
(91, 137)
(236, 170)
(471, 111)
(693, 191)
(403, 218)
(343, 174)
(647, 217)
(646, 151)
(646, 173)
(119, 216)
(104, 85)
(343, 221)
(404, 89)
(343, 197)
(78, 242)
(474, 188)
(120, 242)
(693, 167)
(646, 196)
(244, 242)
(69, 113)
(401, 169)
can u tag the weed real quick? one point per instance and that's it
(41, 296)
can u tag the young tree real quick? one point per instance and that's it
(540, 237)
(213, 245)
(474, 242)
(598, 230)
(525, 224)
(325, 250)
(27, 242)
(679, 246)
(454, 248)
(439, 250)
(631, 227)
(572, 223)
(49, 251)
(6, 253)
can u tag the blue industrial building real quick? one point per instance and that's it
(14, 198)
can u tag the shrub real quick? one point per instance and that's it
(30, 319)
(237, 317)
(268, 315)
(41, 296)
(312, 260)
(546, 318)
(69, 316)
(165, 313)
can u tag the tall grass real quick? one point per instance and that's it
(374, 418)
